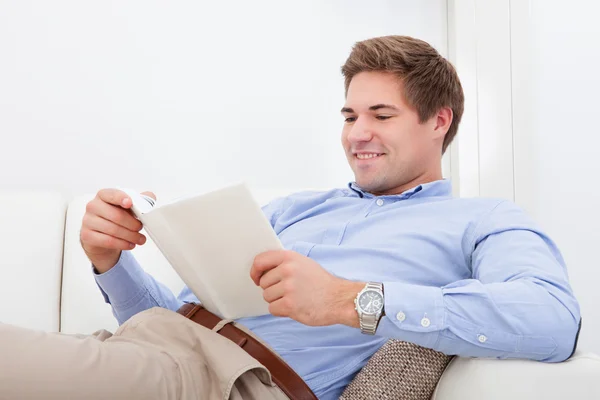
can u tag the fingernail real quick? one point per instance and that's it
(131, 245)
(124, 202)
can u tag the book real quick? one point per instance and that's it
(211, 240)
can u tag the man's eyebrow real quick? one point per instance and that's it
(379, 106)
(372, 108)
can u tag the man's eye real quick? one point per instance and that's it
(383, 117)
(350, 120)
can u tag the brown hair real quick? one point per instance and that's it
(430, 81)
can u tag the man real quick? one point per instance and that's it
(472, 277)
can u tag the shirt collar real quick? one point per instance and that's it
(440, 188)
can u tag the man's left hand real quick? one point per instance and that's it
(299, 288)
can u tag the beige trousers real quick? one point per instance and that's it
(157, 354)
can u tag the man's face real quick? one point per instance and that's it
(386, 146)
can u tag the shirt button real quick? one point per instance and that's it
(400, 316)
(482, 338)
(425, 322)
(379, 202)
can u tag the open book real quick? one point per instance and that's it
(211, 241)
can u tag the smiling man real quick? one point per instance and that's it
(387, 145)
(393, 255)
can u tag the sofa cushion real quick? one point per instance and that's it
(491, 379)
(31, 237)
(399, 370)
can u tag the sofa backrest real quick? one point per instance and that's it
(83, 309)
(31, 249)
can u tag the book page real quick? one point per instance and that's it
(211, 241)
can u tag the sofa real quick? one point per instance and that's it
(46, 283)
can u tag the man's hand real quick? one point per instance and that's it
(299, 288)
(109, 227)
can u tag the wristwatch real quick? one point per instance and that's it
(369, 305)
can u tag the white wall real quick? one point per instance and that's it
(529, 70)
(185, 95)
(555, 61)
(480, 47)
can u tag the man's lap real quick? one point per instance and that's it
(156, 354)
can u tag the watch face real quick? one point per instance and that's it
(371, 302)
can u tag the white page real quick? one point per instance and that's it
(211, 241)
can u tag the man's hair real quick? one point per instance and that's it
(430, 81)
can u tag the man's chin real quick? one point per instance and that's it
(368, 185)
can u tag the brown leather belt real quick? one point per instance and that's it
(283, 375)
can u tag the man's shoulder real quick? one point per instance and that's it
(485, 205)
(488, 205)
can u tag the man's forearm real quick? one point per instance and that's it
(517, 319)
(342, 307)
(102, 262)
(130, 290)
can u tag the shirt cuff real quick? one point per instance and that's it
(413, 308)
(123, 284)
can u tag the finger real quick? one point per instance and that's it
(280, 308)
(114, 214)
(274, 293)
(264, 262)
(97, 239)
(99, 224)
(115, 197)
(150, 194)
(270, 278)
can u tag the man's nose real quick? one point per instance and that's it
(360, 132)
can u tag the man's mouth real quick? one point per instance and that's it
(367, 156)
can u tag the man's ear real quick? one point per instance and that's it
(443, 121)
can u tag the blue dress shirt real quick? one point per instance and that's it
(471, 277)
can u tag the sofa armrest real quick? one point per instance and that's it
(490, 379)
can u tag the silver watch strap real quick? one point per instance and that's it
(369, 322)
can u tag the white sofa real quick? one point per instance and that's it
(46, 283)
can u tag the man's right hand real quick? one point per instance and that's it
(109, 227)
